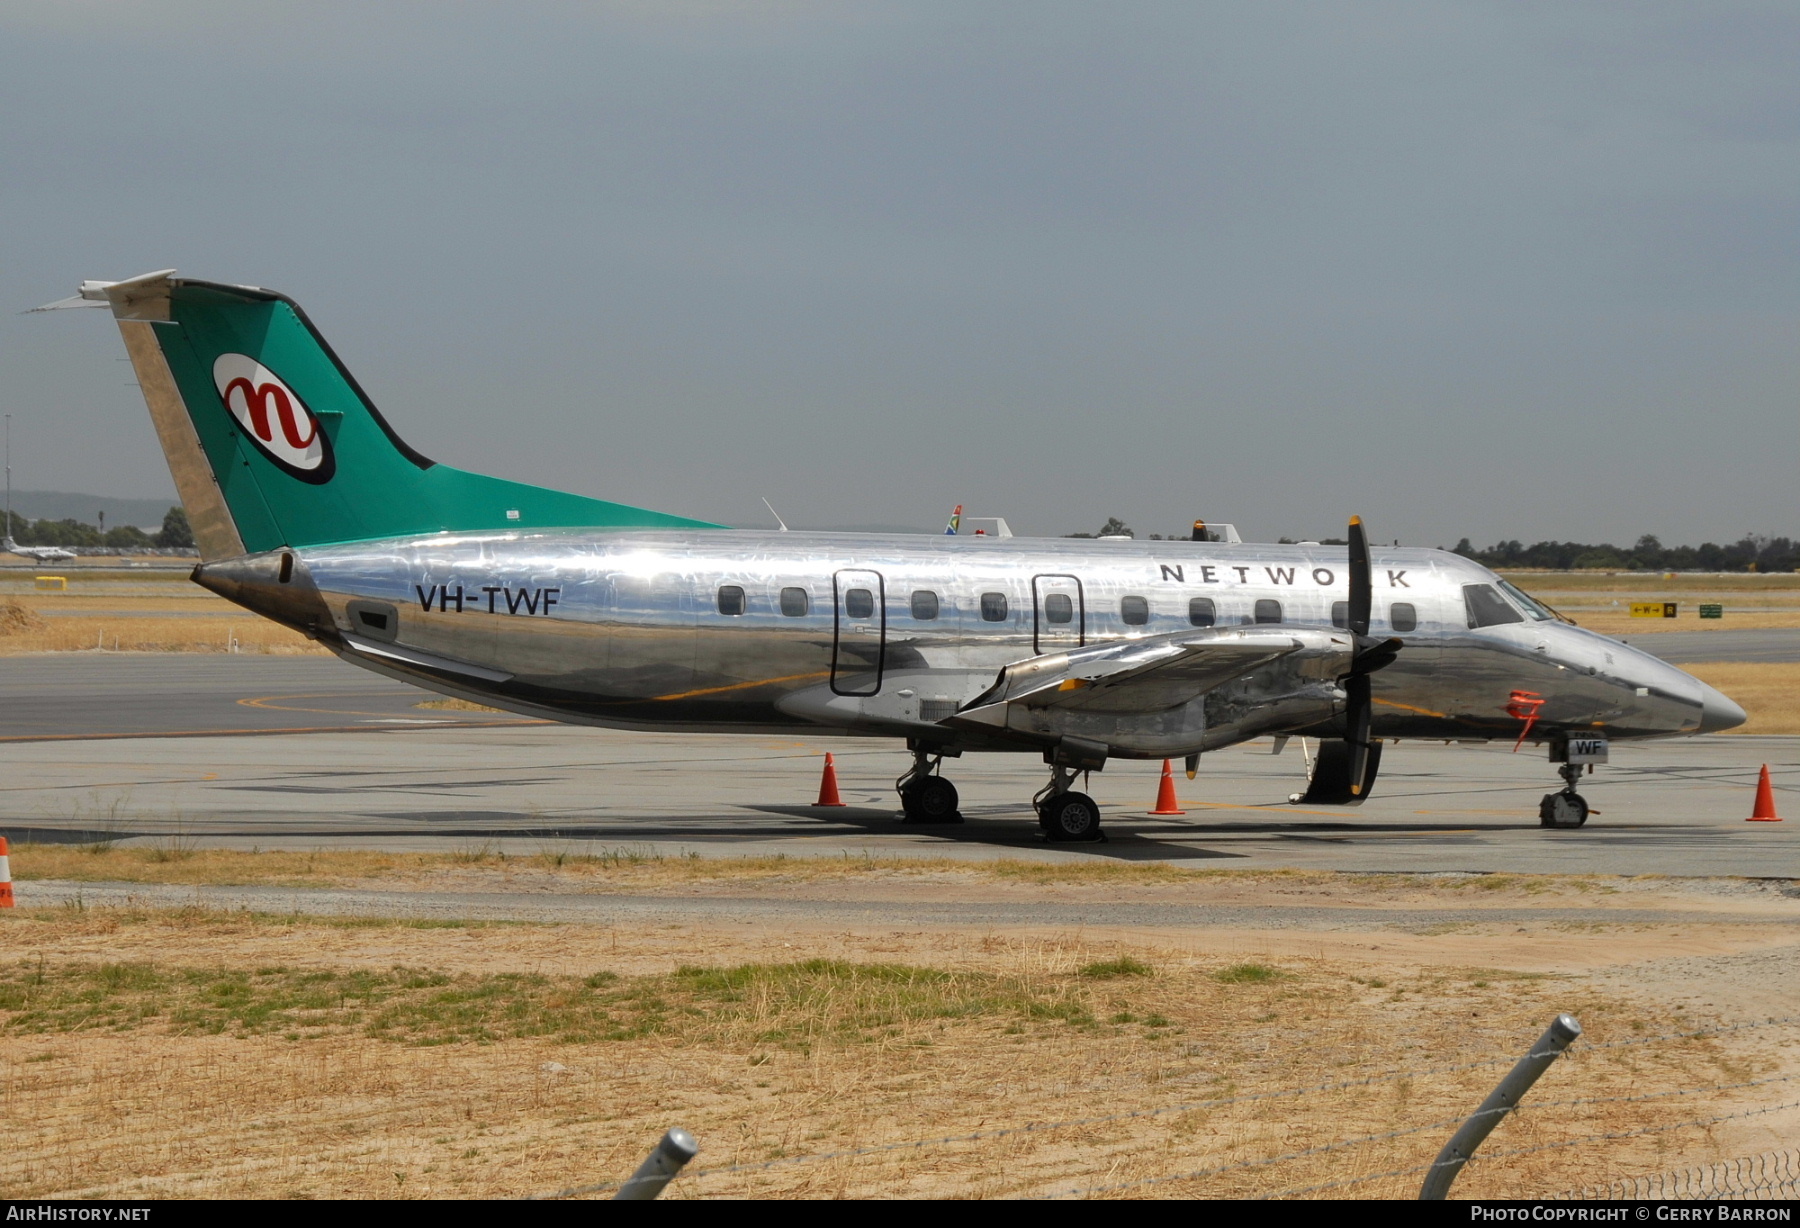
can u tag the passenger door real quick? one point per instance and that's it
(1059, 613)
(859, 632)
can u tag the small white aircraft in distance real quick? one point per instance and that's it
(41, 554)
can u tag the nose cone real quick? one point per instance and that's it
(1718, 712)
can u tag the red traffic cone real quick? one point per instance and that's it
(828, 793)
(6, 900)
(1165, 793)
(1762, 812)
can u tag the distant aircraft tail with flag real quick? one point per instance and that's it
(955, 522)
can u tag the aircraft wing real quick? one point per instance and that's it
(1148, 675)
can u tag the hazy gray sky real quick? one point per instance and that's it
(1510, 268)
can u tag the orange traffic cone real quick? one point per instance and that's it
(1165, 793)
(6, 900)
(828, 793)
(1762, 812)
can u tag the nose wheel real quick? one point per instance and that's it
(1567, 808)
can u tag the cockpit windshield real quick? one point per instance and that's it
(1528, 603)
(1486, 607)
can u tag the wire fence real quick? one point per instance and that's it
(1773, 1174)
(1744, 1177)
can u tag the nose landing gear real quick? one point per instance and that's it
(1568, 808)
(924, 796)
(1565, 809)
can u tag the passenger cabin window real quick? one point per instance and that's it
(794, 602)
(1403, 616)
(1202, 612)
(1268, 611)
(1340, 614)
(993, 607)
(1059, 609)
(859, 603)
(1487, 608)
(1134, 611)
(924, 605)
(731, 599)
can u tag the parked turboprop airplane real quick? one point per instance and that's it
(309, 509)
(41, 554)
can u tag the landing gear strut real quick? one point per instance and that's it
(926, 797)
(1063, 813)
(1568, 808)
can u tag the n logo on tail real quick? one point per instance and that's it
(274, 418)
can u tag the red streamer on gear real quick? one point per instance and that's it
(1524, 706)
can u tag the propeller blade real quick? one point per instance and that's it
(1361, 590)
(1373, 654)
(1358, 714)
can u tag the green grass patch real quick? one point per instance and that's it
(1248, 974)
(792, 1006)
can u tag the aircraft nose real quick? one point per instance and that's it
(1717, 712)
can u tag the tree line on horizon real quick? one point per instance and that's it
(70, 533)
(1752, 552)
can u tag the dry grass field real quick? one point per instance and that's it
(234, 1056)
(482, 867)
(1601, 601)
(1768, 692)
(185, 1052)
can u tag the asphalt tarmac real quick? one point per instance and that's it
(1769, 644)
(167, 749)
(59, 696)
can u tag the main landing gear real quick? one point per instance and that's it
(1568, 808)
(1063, 813)
(925, 796)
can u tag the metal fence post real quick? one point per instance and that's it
(676, 1149)
(1558, 1036)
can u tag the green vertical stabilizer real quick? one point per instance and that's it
(300, 454)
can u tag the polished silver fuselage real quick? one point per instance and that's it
(641, 629)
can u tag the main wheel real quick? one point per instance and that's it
(1562, 810)
(1070, 816)
(930, 799)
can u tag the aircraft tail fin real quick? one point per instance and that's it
(272, 442)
